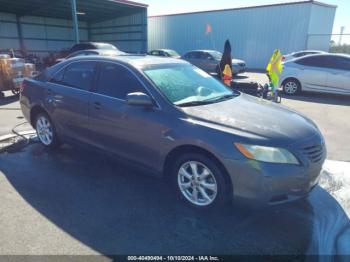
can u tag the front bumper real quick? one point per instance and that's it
(269, 184)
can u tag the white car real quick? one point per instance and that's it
(329, 73)
(298, 54)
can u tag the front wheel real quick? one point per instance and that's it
(291, 87)
(46, 131)
(199, 181)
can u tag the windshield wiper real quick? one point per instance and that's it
(222, 98)
(195, 103)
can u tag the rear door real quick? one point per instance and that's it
(68, 94)
(339, 78)
(132, 132)
(313, 73)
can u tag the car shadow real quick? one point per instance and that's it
(115, 209)
(321, 98)
(8, 99)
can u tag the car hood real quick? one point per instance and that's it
(254, 119)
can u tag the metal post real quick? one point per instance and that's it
(75, 20)
(20, 35)
(341, 34)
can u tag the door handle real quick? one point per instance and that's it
(97, 105)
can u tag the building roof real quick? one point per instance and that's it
(252, 7)
(90, 10)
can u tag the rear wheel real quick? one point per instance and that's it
(291, 86)
(199, 181)
(46, 130)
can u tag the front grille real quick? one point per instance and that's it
(314, 153)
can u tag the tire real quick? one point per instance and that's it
(202, 192)
(45, 130)
(291, 87)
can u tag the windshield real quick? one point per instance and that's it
(172, 53)
(217, 55)
(186, 85)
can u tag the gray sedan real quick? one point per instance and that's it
(174, 120)
(208, 60)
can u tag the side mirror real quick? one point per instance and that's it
(139, 99)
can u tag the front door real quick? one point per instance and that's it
(132, 132)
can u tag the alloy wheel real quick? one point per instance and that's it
(44, 130)
(197, 183)
(291, 87)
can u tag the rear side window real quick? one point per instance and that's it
(340, 63)
(155, 53)
(116, 81)
(193, 55)
(78, 75)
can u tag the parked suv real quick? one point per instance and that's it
(176, 121)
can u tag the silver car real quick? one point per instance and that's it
(208, 61)
(329, 73)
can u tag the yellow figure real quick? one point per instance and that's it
(274, 68)
(227, 75)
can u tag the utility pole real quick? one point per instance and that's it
(341, 34)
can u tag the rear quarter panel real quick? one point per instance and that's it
(32, 95)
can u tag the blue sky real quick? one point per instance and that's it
(160, 7)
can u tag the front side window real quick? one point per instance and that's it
(186, 85)
(78, 75)
(116, 81)
(316, 61)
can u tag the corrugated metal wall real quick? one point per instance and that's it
(128, 33)
(42, 35)
(254, 32)
(8, 32)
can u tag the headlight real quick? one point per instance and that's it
(267, 154)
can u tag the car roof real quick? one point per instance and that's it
(162, 49)
(301, 51)
(203, 50)
(328, 54)
(137, 61)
